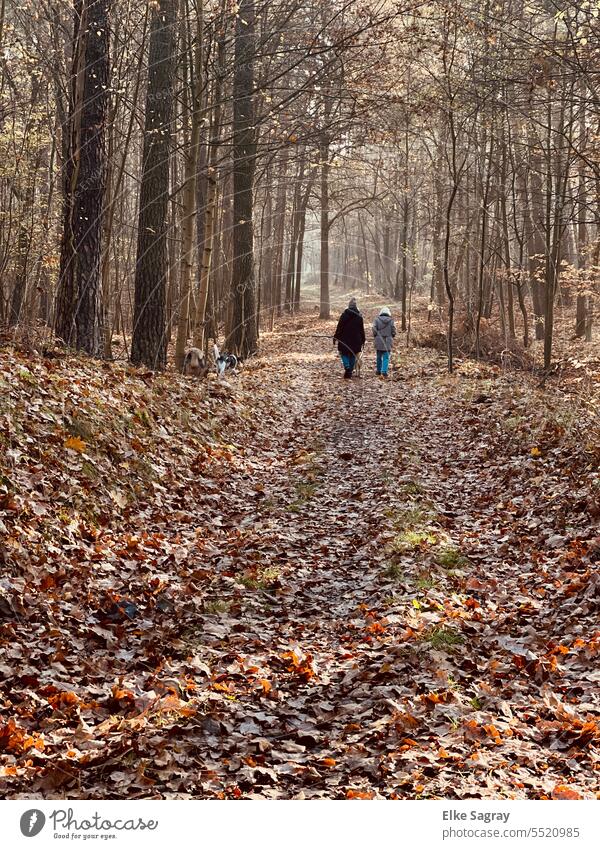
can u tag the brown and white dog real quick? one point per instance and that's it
(358, 364)
(195, 364)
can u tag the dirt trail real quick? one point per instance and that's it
(356, 589)
(399, 622)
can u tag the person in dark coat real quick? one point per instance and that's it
(350, 336)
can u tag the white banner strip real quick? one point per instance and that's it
(348, 824)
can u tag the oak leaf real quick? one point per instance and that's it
(561, 791)
(75, 443)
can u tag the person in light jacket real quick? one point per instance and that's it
(384, 331)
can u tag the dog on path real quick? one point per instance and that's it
(223, 361)
(358, 364)
(195, 363)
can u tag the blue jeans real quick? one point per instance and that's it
(383, 361)
(349, 361)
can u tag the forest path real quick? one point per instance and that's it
(394, 637)
(290, 585)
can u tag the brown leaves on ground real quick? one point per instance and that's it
(290, 585)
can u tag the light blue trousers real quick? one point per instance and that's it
(383, 362)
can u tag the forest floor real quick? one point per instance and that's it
(288, 585)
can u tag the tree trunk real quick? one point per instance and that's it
(367, 274)
(437, 282)
(325, 305)
(64, 323)
(23, 247)
(483, 244)
(210, 208)
(174, 221)
(279, 234)
(243, 333)
(581, 318)
(535, 242)
(90, 182)
(79, 307)
(189, 197)
(266, 240)
(555, 201)
(294, 228)
(506, 247)
(149, 339)
(405, 212)
(300, 246)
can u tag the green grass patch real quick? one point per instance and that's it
(412, 488)
(411, 539)
(143, 417)
(442, 638)
(426, 581)
(27, 377)
(262, 580)
(415, 516)
(514, 422)
(218, 605)
(394, 572)
(89, 470)
(306, 490)
(391, 600)
(450, 557)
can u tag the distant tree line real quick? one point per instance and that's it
(167, 168)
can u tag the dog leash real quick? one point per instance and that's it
(306, 335)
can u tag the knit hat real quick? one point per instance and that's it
(385, 311)
(352, 305)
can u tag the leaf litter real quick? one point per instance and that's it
(286, 585)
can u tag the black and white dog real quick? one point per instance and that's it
(196, 364)
(224, 362)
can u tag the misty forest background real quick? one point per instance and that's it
(184, 170)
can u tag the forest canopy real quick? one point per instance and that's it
(172, 171)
